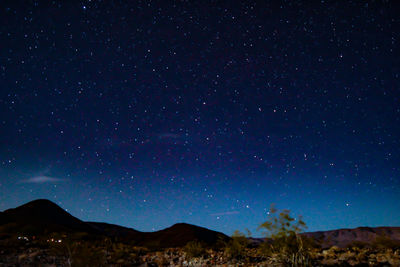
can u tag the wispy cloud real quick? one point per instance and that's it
(42, 179)
(225, 213)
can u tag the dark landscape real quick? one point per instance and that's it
(40, 233)
(199, 133)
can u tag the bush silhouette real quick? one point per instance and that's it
(194, 249)
(236, 247)
(283, 239)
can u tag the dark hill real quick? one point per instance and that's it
(181, 233)
(119, 233)
(40, 217)
(175, 236)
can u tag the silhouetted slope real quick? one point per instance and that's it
(181, 233)
(39, 217)
(175, 236)
(43, 216)
(113, 230)
(344, 237)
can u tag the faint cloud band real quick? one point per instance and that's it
(42, 179)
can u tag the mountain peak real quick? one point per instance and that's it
(42, 202)
(44, 215)
(38, 207)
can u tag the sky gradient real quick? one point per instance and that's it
(146, 114)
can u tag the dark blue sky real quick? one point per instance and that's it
(146, 114)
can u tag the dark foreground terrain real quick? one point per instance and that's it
(40, 233)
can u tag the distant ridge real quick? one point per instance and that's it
(175, 236)
(345, 237)
(41, 217)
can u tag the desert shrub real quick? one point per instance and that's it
(283, 239)
(119, 252)
(194, 249)
(161, 260)
(87, 255)
(153, 245)
(220, 244)
(236, 247)
(79, 253)
(357, 245)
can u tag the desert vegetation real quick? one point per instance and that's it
(283, 244)
(283, 239)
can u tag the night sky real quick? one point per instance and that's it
(145, 113)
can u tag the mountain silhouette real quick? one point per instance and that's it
(40, 217)
(181, 233)
(345, 237)
(175, 236)
(43, 217)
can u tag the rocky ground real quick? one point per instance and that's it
(123, 255)
(329, 257)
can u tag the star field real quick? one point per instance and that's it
(149, 113)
